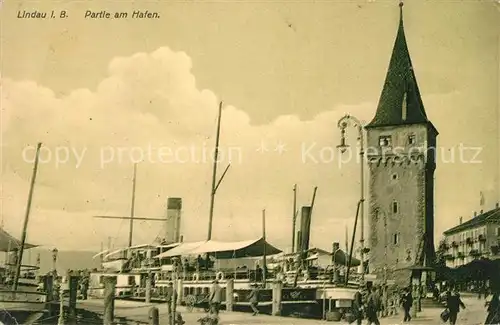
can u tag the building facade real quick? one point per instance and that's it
(476, 238)
(400, 150)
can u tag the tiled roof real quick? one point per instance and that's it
(400, 85)
(488, 216)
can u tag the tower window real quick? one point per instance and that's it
(395, 239)
(394, 176)
(412, 139)
(395, 207)
(385, 141)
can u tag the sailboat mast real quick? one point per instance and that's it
(26, 218)
(132, 209)
(294, 216)
(214, 175)
(264, 255)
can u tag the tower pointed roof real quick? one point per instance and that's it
(400, 102)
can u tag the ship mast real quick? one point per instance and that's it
(132, 210)
(215, 184)
(26, 219)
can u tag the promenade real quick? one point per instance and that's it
(474, 314)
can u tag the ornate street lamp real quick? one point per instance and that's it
(343, 124)
(54, 259)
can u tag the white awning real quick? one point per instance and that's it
(9, 243)
(100, 254)
(182, 249)
(223, 250)
(135, 247)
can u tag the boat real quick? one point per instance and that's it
(20, 300)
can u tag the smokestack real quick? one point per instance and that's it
(299, 241)
(172, 230)
(460, 220)
(497, 205)
(475, 214)
(305, 227)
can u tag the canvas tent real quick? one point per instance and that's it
(8, 242)
(224, 250)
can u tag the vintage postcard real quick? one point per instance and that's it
(250, 162)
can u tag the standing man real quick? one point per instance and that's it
(453, 303)
(358, 307)
(169, 295)
(373, 306)
(407, 302)
(254, 299)
(215, 297)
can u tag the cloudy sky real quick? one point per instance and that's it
(101, 94)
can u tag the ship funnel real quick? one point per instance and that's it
(172, 228)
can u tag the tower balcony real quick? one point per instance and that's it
(482, 238)
(449, 257)
(469, 241)
(474, 253)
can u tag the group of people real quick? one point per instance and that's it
(369, 305)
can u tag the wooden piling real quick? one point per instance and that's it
(49, 287)
(229, 294)
(154, 316)
(109, 297)
(148, 288)
(73, 293)
(277, 292)
(180, 291)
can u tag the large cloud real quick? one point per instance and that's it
(149, 108)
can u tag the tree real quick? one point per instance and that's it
(440, 261)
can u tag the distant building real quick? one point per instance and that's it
(473, 239)
(401, 144)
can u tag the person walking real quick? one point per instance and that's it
(453, 303)
(407, 302)
(169, 295)
(215, 297)
(373, 306)
(357, 307)
(493, 317)
(254, 299)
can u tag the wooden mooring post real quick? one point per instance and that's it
(109, 299)
(277, 295)
(49, 287)
(154, 316)
(229, 294)
(73, 295)
(148, 287)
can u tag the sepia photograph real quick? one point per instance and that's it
(287, 162)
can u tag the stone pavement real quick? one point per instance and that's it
(474, 314)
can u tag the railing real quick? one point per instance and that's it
(22, 296)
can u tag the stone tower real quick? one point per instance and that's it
(401, 144)
(172, 227)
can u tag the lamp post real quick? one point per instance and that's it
(343, 124)
(54, 260)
